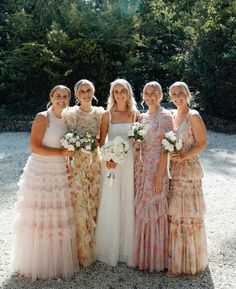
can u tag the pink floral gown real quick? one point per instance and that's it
(151, 233)
(187, 238)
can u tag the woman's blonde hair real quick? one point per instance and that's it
(78, 86)
(156, 85)
(182, 85)
(54, 89)
(111, 102)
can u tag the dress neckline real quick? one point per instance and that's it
(85, 112)
(177, 127)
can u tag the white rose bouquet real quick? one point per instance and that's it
(170, 144)
(74, 141)
(114, 151)
(137, 131)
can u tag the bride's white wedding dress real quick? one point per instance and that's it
(115, 222)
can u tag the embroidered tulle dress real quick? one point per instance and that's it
(151, 233)
(187, 245)
(115, 225)
(44, 241)
(84, 180)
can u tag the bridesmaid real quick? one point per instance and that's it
(187, 246)
(151, 185)
(85, 176)
(115, 225)
(45, 243)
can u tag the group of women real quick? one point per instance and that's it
(71, 215)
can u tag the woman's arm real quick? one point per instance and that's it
(37, 132)
(104, 128)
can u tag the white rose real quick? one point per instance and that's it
(72, 140)
(68, 135)
(88, 147)
(130, 132)
(178, 145)
(170, 148)
(142, 132)
(64, 143)
(71, 148)
(77, 144)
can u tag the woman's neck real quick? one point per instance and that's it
(182, 110)
(121, 108)
(86, 107)
(154, 107)
(57, 112)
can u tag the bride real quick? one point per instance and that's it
(115, 222)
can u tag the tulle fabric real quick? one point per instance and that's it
(44, 244)
(187, 237)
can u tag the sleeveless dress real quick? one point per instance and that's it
(151, 233)
(115, 224)
(187, 245)
(45, 243)
(84, 180)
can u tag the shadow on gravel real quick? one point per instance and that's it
(101, 276)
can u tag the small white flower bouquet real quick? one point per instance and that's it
(114, 151)
(137, 131)
(170, 142)
(74, 141)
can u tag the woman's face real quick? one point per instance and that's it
(178, 96)
(85, 94)
(151, 96)
(120, 94)
(60, 99)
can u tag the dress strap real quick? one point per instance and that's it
(109, 114)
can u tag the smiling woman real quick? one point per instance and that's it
(44, 243)
(84, 176)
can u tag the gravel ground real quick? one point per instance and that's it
(219, 163)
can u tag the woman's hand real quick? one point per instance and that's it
(111, 165)
(157, 185)
(177, 156)
(136, 145)
(66, 153)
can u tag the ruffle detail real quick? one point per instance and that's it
(45, 238)
(188, 169)
(187, 246)
(150, 208)
(151, 244)
(186, 199)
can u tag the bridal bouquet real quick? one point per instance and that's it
(170, 144)
(114, 151)
(74, 141)
(137, 131)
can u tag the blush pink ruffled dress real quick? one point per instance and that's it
(151, 233)
(44, 232)
(187, 237)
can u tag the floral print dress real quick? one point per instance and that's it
(151, 233)
(187, 237)
(84, 180)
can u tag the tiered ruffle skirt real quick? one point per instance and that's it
(45, 241)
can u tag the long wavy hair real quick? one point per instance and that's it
(111, 102)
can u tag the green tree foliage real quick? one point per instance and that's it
(44, 43)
